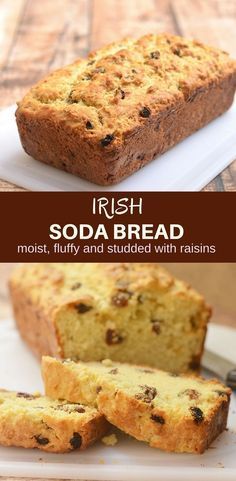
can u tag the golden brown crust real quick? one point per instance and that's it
(33, 421)
(106, 117)
(181, 414)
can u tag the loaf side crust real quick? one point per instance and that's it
(34, 322)
(106, 117)
(33, 421)
(161, 425)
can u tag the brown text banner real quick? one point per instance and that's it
(103, 227)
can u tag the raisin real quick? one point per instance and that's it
(177, 51)
(91, 62)
(75, 286)
(82, 308)
(107, 140)
(25, 395)
(156, 326)
(98, 389)
(122, 93)
(155, 55)
(121, 299)
(113, 371)
(76, 441)
(148, 394)
(157, 419)
(89, 125)
(41, 441)
(197, 414)
(145, 112)
(191, 393)
(113, 337)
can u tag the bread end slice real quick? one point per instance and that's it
(34, 421)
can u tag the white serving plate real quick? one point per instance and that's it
(129, 459)
(189, 166)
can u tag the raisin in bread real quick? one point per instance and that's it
(173, 413)
(106, 116)
(135, 313)
(34, 421)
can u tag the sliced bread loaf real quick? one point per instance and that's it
(135, 313)
(174, 413)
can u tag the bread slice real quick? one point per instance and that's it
(34, 421)
(135, 313)
(170, 412)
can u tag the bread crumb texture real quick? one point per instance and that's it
(137, 313)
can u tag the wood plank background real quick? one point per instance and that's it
(37, 36)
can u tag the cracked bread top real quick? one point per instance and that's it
(102, 286)
(111, 93)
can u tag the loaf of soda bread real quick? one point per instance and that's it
(34, 421)
(106, 116)
(170, 412)
(137, 313)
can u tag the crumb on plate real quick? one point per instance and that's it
(110, 440)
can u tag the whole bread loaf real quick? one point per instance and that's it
(137, 313)
(34, 421)
(106, 116)
(173, 413)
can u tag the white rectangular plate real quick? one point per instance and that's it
(189, 166)
(129, 459)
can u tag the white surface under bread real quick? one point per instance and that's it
(188, 166)
(129, 460)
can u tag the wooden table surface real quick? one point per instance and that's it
(37, 36)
